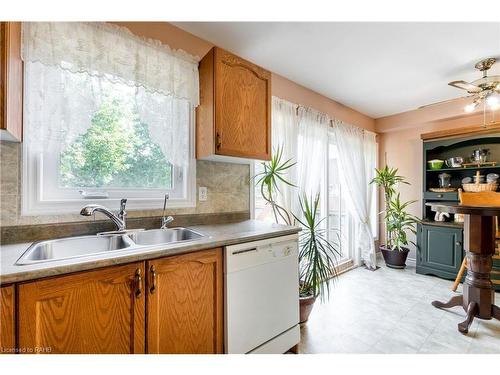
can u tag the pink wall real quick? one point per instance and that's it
(295, 93)
(179, 39)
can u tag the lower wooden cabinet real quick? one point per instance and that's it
(7, 323)
(99, 311)
(105, 311)
(184, 308)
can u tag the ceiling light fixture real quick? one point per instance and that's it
(492, 100)
(484, 90)
(470, 107)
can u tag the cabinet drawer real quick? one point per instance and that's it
(451, 196)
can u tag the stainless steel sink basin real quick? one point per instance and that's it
(164, 236)
(72, 247)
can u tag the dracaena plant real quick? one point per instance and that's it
(398, 222)
(275, 171)
(317, 255)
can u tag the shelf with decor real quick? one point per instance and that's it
(457, 169)
(440, 243)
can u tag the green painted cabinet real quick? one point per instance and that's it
(440, 244)
(439, 250)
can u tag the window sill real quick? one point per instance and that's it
(74, 206)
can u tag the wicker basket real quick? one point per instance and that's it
(476, 188)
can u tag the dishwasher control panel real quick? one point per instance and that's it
(252, 254)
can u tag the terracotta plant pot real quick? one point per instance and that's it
(395, 258)
(306, 306)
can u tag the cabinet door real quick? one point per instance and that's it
(7, 325)
(90, 312)
(11, 81)
(184, 308)
(441, 248)
(242, 107)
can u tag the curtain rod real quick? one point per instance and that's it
(331, 121)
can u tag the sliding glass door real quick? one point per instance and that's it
(337, 220)
(340, 223)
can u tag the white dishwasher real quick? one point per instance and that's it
(262, 296)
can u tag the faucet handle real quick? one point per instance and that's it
(123, 203)
(122, 214)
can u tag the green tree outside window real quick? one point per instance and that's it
(115, 151)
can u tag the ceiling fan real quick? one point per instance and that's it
(483, 90)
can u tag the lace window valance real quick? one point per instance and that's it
(115, 53)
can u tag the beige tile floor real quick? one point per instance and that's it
(389, 311)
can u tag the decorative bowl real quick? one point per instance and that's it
(435, 164)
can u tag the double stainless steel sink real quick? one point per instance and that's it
(73, 247)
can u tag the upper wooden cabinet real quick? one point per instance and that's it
(90, 312)
(7, 324)
(11, 82)
(234, 115)
(184, 309)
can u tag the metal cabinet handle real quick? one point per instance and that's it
(458, 243)
(440, 195)
(138, 283)
(153, 279)
(219, 140)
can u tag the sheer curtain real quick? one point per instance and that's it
(284, 136)
(357, 154)
(312, 152)
(71, 73)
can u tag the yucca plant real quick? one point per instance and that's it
(317, 256)
(275, 171)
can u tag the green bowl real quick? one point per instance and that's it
(435, 164)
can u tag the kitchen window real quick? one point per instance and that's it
(105, 123)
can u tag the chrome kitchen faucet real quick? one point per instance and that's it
(119, 219)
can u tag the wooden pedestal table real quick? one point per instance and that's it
(479, 243)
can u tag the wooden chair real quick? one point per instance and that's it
(484, 198)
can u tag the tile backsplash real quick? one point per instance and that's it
(228, 191)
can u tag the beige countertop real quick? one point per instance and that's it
(217, 235)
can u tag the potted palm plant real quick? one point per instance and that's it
(274, 172)
(317, 256)
(398, 222)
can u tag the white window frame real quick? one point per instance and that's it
(34, 201)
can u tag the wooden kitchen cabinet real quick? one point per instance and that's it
(98, 311)
(234, 115)
(184, 303)
(7, 323)
(11, 82)
(104, 311)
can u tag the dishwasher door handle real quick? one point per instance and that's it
(237, 252)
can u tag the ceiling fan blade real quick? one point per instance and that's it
(444, 101)
(469, 87)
